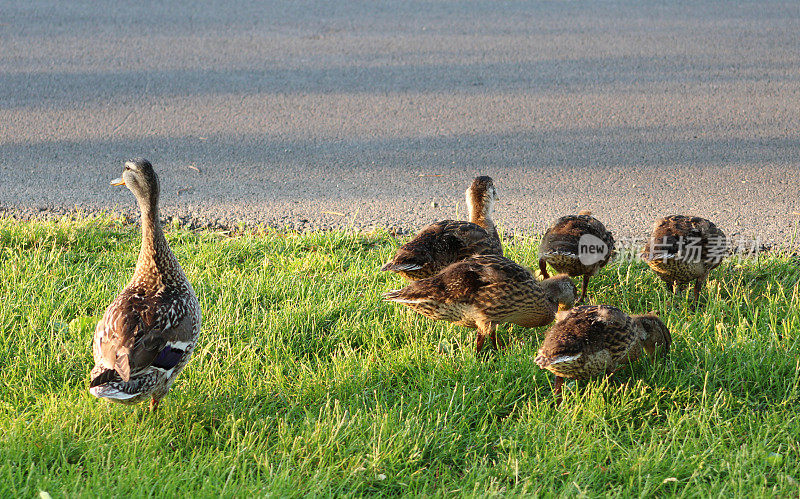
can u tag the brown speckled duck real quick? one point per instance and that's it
(148, 333)
(442, 243)
(578, 245)
(593, 339)
(684, 249)
(484, 291)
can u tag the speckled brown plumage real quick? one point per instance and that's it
(448, 241)
(684, 249)
(484, 291)
(561, 247)
(148, 333)
(593, 339)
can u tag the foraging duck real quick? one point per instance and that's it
(484, 291)
(448, 241)
(148, 333)
(576, 245)
(683, 249)
(593, 339)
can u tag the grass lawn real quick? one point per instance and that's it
(305, 383)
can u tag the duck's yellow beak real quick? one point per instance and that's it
(118, 181)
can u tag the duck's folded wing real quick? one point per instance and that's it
(114, 338)
(441, 244)
(464, 239)
(131, 338)
(418, 253)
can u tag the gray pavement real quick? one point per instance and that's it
(331, 114)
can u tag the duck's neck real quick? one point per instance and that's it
(156, 260)
(481, 215)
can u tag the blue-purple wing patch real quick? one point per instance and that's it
(168, 358)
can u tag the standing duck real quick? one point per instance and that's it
(683, 249)
(147, 334)
(442, 243)
(576, 245)
(593, 339)
(484, 291)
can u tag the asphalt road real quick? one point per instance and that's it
(331, 114)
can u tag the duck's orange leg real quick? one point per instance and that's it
(557, 389)
(543, 268)
(583, 290)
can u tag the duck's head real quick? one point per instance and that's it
(481, 195)
(657, 337)
(140, 178)
(561, 290)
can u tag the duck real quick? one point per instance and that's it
(578, 245)
(148, 333)
(448, 241)
(589, 340)
(484, 291)
(684, 249)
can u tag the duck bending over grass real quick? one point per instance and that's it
(684, 249)
(147, 334)
(594, 339)
(578, 245)
(442, 243)
(487, 290)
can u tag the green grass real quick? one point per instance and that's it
(306, 383)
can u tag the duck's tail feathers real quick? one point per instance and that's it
(106, 385)
(541, 361)
(111, 393)
(396, 295)
(400, 267)
(104, 377)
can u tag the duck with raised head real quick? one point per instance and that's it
(448, 241)
(594, 339)
(684, 249)
(148, 333)
(484, 291)
(578, 245)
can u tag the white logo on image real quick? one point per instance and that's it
(591, 249)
